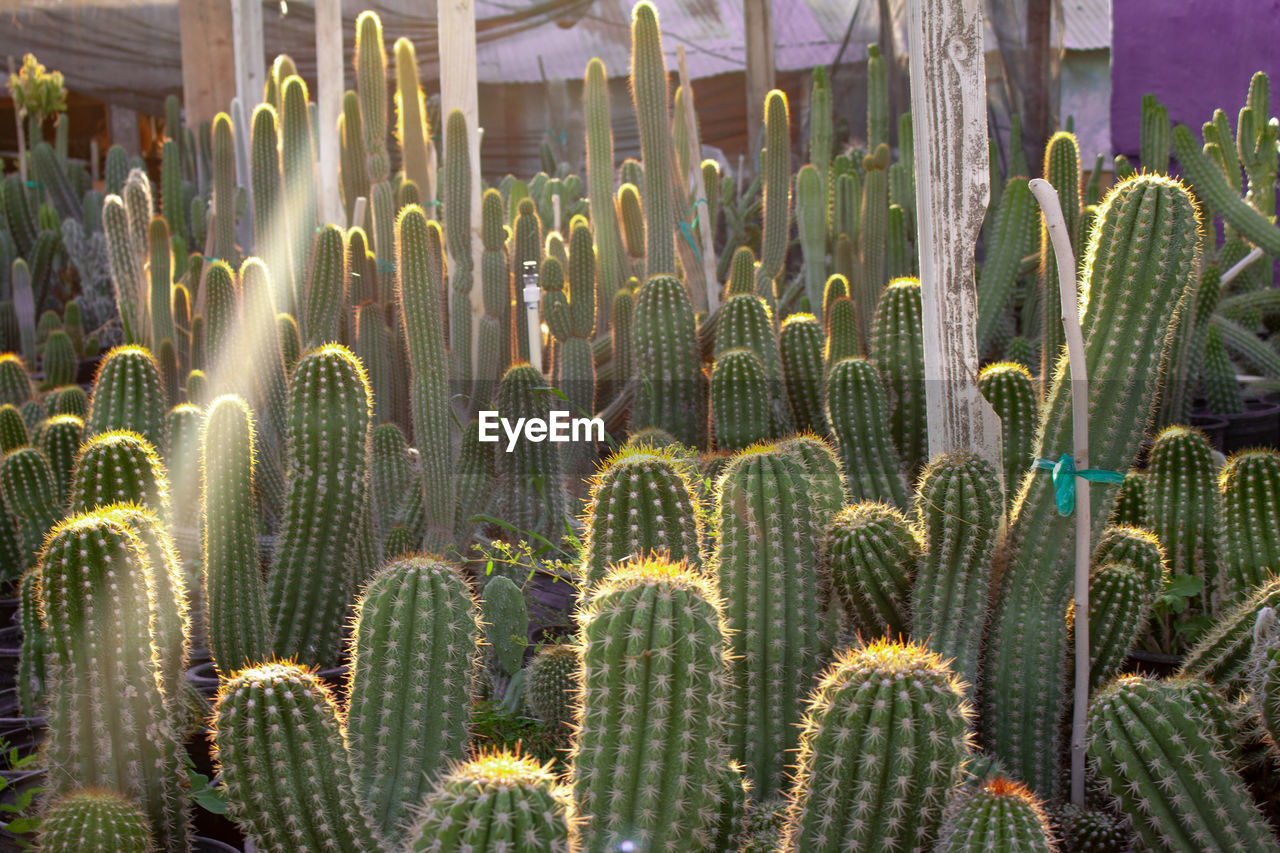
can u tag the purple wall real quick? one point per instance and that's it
(1194, 56)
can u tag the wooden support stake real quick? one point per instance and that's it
(329, 79)
(699, 187)
(458, 91)
(1047, 197)
(208, 58)
(758, 24)
(93, 159)
(250, 57)
(949, 106)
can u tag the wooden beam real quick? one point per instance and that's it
(124, 129)
(250, 57)
(458, 91)
(330, 56)
(949, 106)
(760, 67)
(208, 58)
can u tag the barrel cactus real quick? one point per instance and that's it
(95, 819)
(1001, 816)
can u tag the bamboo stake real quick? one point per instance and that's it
(699, 187)
(1047, 197)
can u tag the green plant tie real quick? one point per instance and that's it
(1064, 480)
(386, 266)
(32, 185)
(686, 228)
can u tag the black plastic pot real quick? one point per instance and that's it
(24, 734)
(204, 678)
(87, 369)
(1257, 426)
(1213, 427)
(10, 652)
(1152, 663)
(201, 844)
(9, 611)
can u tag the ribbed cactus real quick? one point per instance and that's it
(59, 359)
(1154, 135)
(670, 394)
(354, 167)
(746, 322)
(15, 384)
(411, 118)
(570, 314)
(239, 633)
(859, 418)
(1062, 170)
(1135, 547)
(1183, 512)
(959, 509)
(873, 242)
(33, 656)
(68, 400)
(413, 664)
(495, 279)
(775, 170)
(13, 429)
(1011, 391)
(800, 344)
(298, 172)
(419, 287)
(1009, 241)
(811, 217)
(475, 479)
(600, 178)
(505, 619)
(109, 724)
(1089, 831)
(1136, 271)
(1211, 186)
(224, 189)
(1222, 654)
(324, 297)
(127, 395)
(1001, 816)
(864, 780)
(1119, 607)
(498, 802)
(279, 744)
(621, 329)
(653, 649)
(313, 576)
(456, 191)
(530, 491)
(526, 246)
(1130, 505)
(30, 494)
(897, 347)
(653, 116)
(1250, 490)
(739, 400)
(1160, 756)
(126, 269)
(119, 467)
(95, 819)
(631, 217)
(551, 686)
(641, 501)
(768, 576)
(1264, 670)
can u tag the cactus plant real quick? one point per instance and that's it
(127, 394)
(456, 190)
(530, 491)
(653, 639)
(1132, 289)
(411, 119)
(1011, 391)
(279, 715)
(897, 347)
(1161, 757)
(497, 801)
(1009, 241)
(1001, 815)
(746, 322)
(13, 429)
(858, 415)
(30, 494)
(1130, 505)
(739, 401)
(1250, 489)
(863, 780)
(1119, 607)
(665, 348)
(413, 664)
(551, 686)
(298, 184)
(600, 177)
(323, 298)
(649, 90)
(1062, 170)
(32, 658)
(800, 345)
(224, 189)
(775, 170)
(93, 819)
(1222, 654)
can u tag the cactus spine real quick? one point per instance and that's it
(1000, 816)
(863, 779)
(95, 819)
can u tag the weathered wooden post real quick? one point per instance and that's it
(250, 58)
(949, 109)
(758, 23)
(458, 91)
(330, 57)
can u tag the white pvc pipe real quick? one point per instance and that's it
(532, 298)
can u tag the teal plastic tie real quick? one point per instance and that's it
(1064, 480)
(386, 266)
(686, 228)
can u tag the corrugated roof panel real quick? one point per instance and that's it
(1088, 24)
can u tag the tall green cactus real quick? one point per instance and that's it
(859, 418)
(109, 724)
(126, 269)
(600, 177)
(1222, 654)
(1157, 751)
(873, 219)
(1062, 170)
(456, 191)
(313, 576)
(530, 491)
(653, 116)
(897, 347)
(959, 509)
(323, 299)
(239, 633)
(877, 98)
(224, 190)
(1011, 391)
(1119, 607)
(1001, 816)
(746, 322)
(1135, 273)
(800, 343)
(1154, 135)
(570, 314)
(653, 648)
(413, 665)
(811, 217)
(30, 494)
(665, 348)
(419, 287)
(739, 401)
(768, 578)
(870, 554)
(864, 779)
(1009, 242)
(411, 119)
(119, 467)
(127, 395)
(497, 801)
(1250, 488)
(775, 170)
(95, 819)
(279, 743)
(495, 279)
(641, 501)
(298, 171)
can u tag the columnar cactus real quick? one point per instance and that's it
(15, 384)
(411, 119)
(873, 220)
(354, 167)
(239, 632)
(811, 217)
(298, 170)
(68, 400)
(800, 343)
(109, 723)
(1001, 816)
(13, 429)
(641, 501)
(419, 286)
(224, 189)
(30, 494)
(119, 467)
(570, 313)
(959, 509)
(1161, 757)
(858, 415)
(1119, 607)
(1130, 505)
(1135, 274)
(505, 619)
(600, 177)
(653, 116)
(775, 170)
(1091, 831)
(1222, 654)
(739, 401)
(526, 246)
(95, 819)
(746, 322)
(413, 666)
(282, 755)
(497, 801)
(1011, 391)
(32, 659)
(456, 191)
(530, 491)
(324, 297)
(653, 649)
(127, 276)
(766, 568)
(897, 347)
(59, 359)
(1009, 241)
(312, 578)
(474, 479)
(495, 280)
(864, 780)
(1250, 489)
(265, 178)
(670, 393)
(127, 395)
(1062, 170)
(551, 686)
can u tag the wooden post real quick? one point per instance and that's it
(458, 91)
(760, 71)
(124, 129)
(250, 58)
(699, 187)
(949, 107)
(330, 55)
(208, 58)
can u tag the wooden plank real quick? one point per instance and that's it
(760, 66)
(330, 54)
(250, 57)
(712, 295)
(208, 58)
(124, 129)
(458, 91)
(949, 108)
